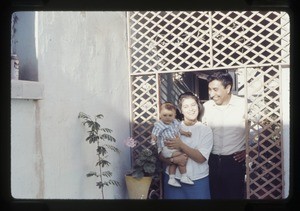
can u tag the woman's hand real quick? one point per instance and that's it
(180, 159)
(174, 143)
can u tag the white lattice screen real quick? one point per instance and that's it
(265, 123)
(254, 44)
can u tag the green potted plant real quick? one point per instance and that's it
(145, 167)
(101, 137)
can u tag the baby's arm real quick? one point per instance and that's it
(153, 139)
(185, 133)
(155, 133)
(182, 132)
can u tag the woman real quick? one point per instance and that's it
(197, 148)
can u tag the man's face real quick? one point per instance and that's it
(167, 116)
(218, 93)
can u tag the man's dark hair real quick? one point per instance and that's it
(224, 77)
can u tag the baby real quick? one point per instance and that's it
(167, 127)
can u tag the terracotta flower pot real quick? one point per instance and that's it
(138, 188)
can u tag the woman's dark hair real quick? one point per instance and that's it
(224, 77)
(193, 96)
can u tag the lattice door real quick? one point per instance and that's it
(254, 44)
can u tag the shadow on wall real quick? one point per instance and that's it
(24, 45)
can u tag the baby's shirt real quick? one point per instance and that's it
(163, 131)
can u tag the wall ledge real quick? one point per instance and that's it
(31, 90)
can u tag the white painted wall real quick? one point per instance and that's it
(82, 63)
(286, 131)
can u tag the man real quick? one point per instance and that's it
(225, 114)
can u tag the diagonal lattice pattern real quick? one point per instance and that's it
(144, 104)
(166, 42)
(246, 38)
(264, 147)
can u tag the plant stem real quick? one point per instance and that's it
(100, 170)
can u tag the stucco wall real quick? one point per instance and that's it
(82, 63)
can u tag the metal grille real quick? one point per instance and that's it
(164, 45)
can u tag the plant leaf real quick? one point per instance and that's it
(103, 163)
(92, 138)
(101, 150)
(91, 173)
(114, 182)
(90, 123)
(100, 184)
(113, 148)
(84, 116)
(99, 116)
(108, 137)
(95, 126)
(149, 168)
(106, 130)
(138, 174)
(107, 173)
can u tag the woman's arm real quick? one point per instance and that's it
(192, 153)
(167, 161)
(178, 160)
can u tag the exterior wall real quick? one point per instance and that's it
(82, 64)
(24, 159)
(286, 131)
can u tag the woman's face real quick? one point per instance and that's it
(189, 109)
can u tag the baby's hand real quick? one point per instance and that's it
(188, 134)
(152, 142)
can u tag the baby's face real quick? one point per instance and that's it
(167, 116)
